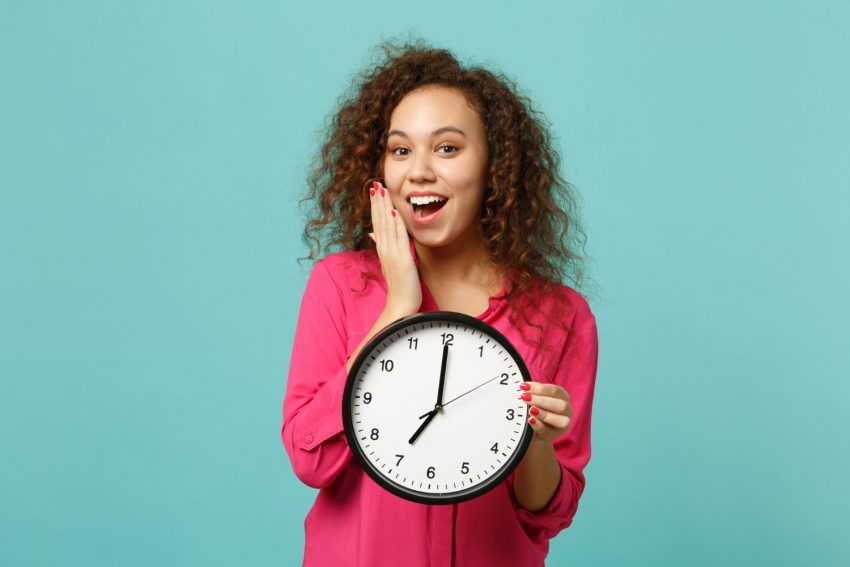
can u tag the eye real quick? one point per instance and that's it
(394, 150)
(453, 148)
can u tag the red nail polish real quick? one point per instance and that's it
(526, 397)
(393, 212)
(382, 192)
(532, 421)
(525, 386)
(375, 185)
(372, 192)
(534, 410)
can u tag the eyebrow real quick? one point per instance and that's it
(436, 132)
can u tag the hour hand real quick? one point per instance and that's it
(425, 423)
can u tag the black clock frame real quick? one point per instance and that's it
(348, 421)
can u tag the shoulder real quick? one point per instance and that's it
(566, 304)
(347, 260)
(346, 267)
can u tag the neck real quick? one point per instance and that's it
(464, 260)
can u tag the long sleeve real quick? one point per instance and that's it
(312, 431)
(576, 373)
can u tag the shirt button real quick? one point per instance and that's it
(309, 439)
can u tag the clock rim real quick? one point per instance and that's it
(348, 424)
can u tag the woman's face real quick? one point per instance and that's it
(437, 146)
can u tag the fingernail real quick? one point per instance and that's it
(372, 192)
(534, 410)
(375, 185)
(372, 235)
(393, 212)
(526, 397)
(382, 192)
(532, 421)
(525, 386)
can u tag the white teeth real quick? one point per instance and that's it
(426, 200)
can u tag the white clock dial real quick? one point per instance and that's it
(430, 453)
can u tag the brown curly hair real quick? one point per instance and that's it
(529, 215)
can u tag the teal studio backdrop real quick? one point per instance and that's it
(151, 157)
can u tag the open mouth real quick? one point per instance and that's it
(427, 206)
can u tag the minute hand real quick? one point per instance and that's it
(442, 376)
(463, 394)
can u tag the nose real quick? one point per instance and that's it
(420, 168)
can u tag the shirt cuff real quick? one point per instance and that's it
(321, 419)
(545, 523)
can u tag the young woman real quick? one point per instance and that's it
(440, 186)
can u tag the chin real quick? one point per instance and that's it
(433, 241)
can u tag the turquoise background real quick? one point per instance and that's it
(150, 158)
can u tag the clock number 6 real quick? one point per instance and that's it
(430, 472)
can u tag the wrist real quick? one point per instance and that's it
(393, 312)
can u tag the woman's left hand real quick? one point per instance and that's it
(550, 410)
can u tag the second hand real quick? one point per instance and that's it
(462, 395)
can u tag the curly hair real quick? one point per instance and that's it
(529, 215)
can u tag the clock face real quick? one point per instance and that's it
(430, 452)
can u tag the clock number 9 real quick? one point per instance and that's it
(367, 398)
(430, 472)
(387, 365)
(447, 338)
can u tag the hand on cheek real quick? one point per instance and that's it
(404, 294)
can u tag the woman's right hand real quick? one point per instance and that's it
(404, 293)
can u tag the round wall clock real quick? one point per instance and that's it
(432, 408)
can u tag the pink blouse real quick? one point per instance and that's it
(355, 522)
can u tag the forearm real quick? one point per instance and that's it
(387, 316)
(537, 476)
